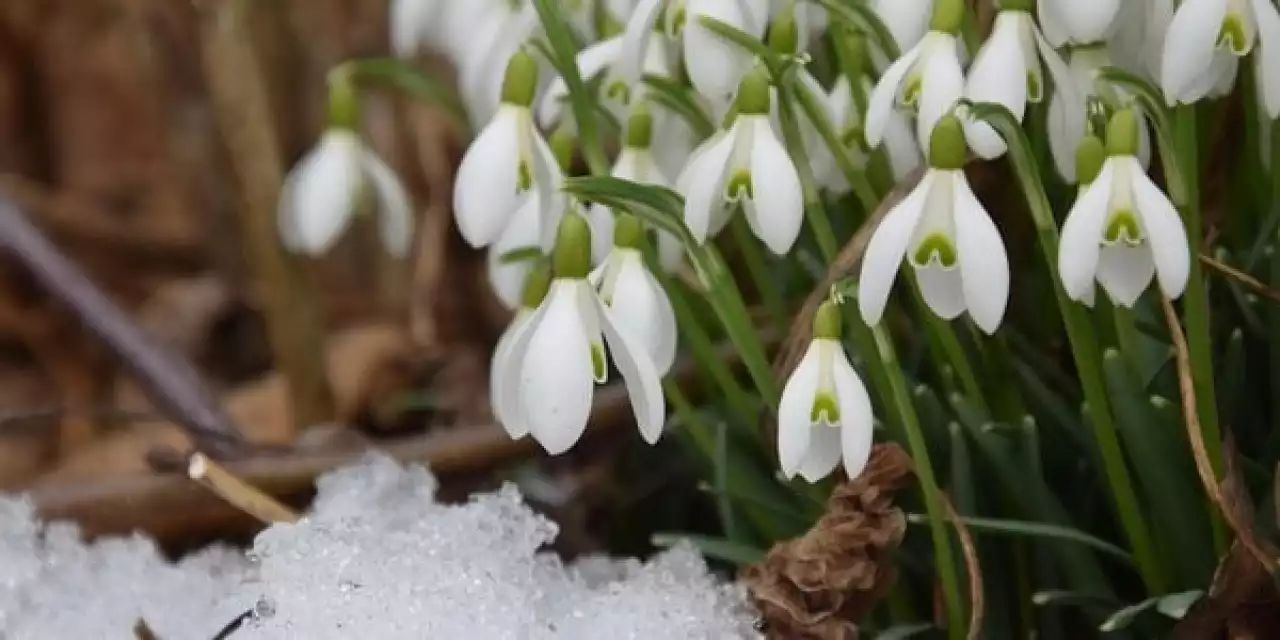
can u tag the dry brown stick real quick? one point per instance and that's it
(244, 117)
(1263, 552)
(1249, 282)
(168, 380)
(237, 492)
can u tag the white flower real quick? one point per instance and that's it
(1123, 229)
(1138, 41)
(1078, 21)
(716, 65)
(523, 232)
(617, 90)
(1008, 71)
(320, 196)
(507, 161)
(634, 163)
(640, 305)
(414, 24)
(927, 79)
(899, 140)
(825, 413)
(1205, 40)
(499, 364)
(947, 237)
(1068, 109)
(745, 165)
(487, 44)
(906, 20)
(559, 354)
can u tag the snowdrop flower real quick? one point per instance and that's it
(523, 232)
(533, 291)
(715, 65)
(1138, 41)
(496, 30)
(1077, 21)
(946, 236)
(1008, 70)
(506, 162)
(825, 413)
(745, 165)
(639, 304)
(1205, 40)
(926, 79)
(1068, 108)
(322, 193)
(414, 24)
(1123, 229)
(637, 164)
(906, 20)
(558, 355)
(899, 140)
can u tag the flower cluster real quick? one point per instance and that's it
(583, 276)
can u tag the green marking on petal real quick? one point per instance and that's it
(524, 176)
(598, 369)
(618, 91)
(675, 19)
(854, 137)
(739, 186)
(911, 90)
(1122, 226)
(1233, 36)
(1035, 88)
(935, 246)
(825, 409)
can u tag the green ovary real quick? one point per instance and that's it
(739, 186)
(1122, 226)
(598, 369)
(935, 246)
(825, 409)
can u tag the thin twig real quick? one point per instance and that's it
(977, 598)
(1186, 388)
(168, 380)
(1249, 282)
(237, 492)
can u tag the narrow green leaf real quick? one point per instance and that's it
(718, 548)
(564, 46)
(681, 100)
(1021, 528)
(859, 16)
(520, 254)
(743, 40)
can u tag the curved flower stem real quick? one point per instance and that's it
(1084, 349)
(876, 341)
(1195, 302)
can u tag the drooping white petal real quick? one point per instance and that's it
(704, 182)
(998, 75)
(856, 419)
(547, 179)
(635, 38)
(901, 146)
(509, 390)
(907, 20)
(1267, 58)
(886, 249)
(715, 65)
(1189, 47)
(395, 214)
(674, 141)
(984, 264)
(942, 86)
(640, 307)
(1082, 235)
(644, 388)
(881, 102)
(591, 61)
(482, 80)
(942, 289)
(410, 21)
(507, 280)
(1165, 233)
(1080, 22)
(1051, 24)
(486, 192)
(319, 196)
(501, 398)
(601, 219)
(556, 371)
(776, 208)
(1125, 271)
(795, 430)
